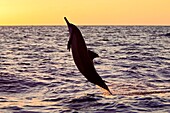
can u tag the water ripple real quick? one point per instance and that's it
(37, 72)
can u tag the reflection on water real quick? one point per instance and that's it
(37, 73)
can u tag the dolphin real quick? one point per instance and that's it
(83, 57)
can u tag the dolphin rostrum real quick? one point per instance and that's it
(83, 58)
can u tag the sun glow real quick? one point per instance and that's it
(88, 12)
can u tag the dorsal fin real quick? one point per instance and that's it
(92, 55)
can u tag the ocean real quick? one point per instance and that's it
(38, 74)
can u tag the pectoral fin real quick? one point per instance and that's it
(69, 45)
(92, 55)
(69, 42)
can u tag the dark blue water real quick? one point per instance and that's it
(37, 72)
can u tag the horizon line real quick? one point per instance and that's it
(87, 25)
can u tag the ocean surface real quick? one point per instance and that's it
(38, 74)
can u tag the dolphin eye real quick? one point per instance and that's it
(70, 29)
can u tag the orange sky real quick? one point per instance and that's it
(85, 12)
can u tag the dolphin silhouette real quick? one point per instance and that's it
(83, 58)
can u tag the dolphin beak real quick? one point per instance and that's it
(68, 23)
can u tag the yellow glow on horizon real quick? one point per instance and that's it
(87, 12)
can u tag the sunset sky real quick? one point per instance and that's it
(85, 12)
